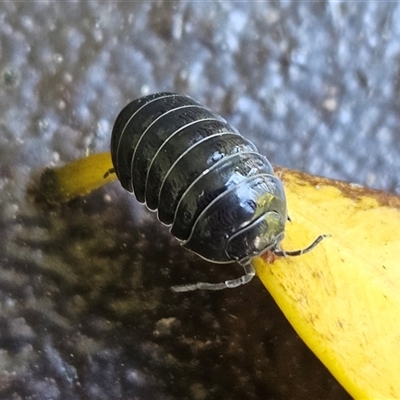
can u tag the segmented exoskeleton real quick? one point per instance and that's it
(208, 182)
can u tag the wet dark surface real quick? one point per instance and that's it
(85, 306)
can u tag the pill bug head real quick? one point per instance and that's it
(247, 222)
(257, 238)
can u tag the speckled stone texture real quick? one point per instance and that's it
(85, 306)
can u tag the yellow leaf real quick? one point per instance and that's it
(77, 178)
(343, 298)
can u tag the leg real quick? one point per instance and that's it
(109, 172)
(280, 252)
(232, 283)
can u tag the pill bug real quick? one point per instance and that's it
(204, 179)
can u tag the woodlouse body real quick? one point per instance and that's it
(208, 182)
